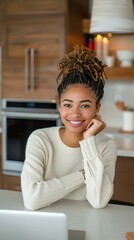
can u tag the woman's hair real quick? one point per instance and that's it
(81, 67)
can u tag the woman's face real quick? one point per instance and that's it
(77, 107)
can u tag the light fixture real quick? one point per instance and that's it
(115, 16)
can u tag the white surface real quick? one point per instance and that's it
(126, 57)
(32, 225)
(110, 61)
(109, 223)
(109, 112)
(128, 121)
(112, 16)
(124, 141)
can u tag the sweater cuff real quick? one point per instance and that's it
(88, 147)
(73, 181)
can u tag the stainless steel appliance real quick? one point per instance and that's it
(19, 119)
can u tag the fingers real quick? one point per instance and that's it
(98, 116)
(94, 127)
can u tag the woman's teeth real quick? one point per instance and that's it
(75, 122)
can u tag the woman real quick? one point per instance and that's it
(74, 161)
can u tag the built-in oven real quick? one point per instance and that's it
(19, 119)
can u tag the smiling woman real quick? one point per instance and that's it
(77, 109)
(74, 161)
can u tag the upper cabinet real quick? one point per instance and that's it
(23, 7)
(33, 42)
(34, 36)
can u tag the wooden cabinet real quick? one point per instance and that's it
(0, 162)
(24, 7)
(11, 183)
(124, 180)
(33, 42)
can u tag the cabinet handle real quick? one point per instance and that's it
(26, 69)
(32, 87)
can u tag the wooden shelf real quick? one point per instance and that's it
(120, 73)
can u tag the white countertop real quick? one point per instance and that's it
(124, 141)
(109, 223)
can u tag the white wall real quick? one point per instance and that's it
(111, 115)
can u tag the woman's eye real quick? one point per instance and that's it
(85, 106)
(67, 105)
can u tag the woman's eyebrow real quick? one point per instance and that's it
(68, 100)
(82, 101)
(86, 101)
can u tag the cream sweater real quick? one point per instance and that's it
(51, 170)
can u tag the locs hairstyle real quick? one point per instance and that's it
(81, 66)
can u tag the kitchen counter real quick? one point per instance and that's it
(124, 141)
(111, 222)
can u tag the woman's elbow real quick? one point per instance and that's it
(98, 205)
(99, 202)
(33, 204)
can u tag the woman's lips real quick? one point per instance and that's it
(75, 123)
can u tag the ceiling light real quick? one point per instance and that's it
(114, 16)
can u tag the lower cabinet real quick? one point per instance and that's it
(11, 183)
(0, 162)
(124, 180)
(0, 176)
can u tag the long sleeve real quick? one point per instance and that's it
(99, 164)
(41, 185)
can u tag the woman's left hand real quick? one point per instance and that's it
(94, 127)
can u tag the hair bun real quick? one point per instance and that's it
(81, 59)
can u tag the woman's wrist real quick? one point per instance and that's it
(83, 173)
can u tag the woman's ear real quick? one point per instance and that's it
(59, 108)
(98, 107)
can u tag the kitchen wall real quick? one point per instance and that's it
(113, 90)
(116, 89)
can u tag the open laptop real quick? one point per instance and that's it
(34, 225)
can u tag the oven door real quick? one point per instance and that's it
(17, 126)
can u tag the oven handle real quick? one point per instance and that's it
(26, 69)
(32, 70)
(31, 115)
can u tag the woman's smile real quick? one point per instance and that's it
(75, 123)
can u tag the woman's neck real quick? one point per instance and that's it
(69, 138)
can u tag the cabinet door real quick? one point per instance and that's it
(124, 180)
(11, 183)
(23, 7)
(0, 162)
(32, 47)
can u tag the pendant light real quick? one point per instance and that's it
(114, 16)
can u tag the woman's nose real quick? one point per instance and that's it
(75, 111)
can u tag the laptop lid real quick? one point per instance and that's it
(29, 225)
(35, 225)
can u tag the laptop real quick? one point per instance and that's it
(35, 225)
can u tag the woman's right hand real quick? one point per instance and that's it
(94, 127)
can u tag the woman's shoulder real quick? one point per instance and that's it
(49, 131)
(43, 136)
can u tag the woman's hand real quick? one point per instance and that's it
(94, 127)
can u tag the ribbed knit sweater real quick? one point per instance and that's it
(51, 169)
